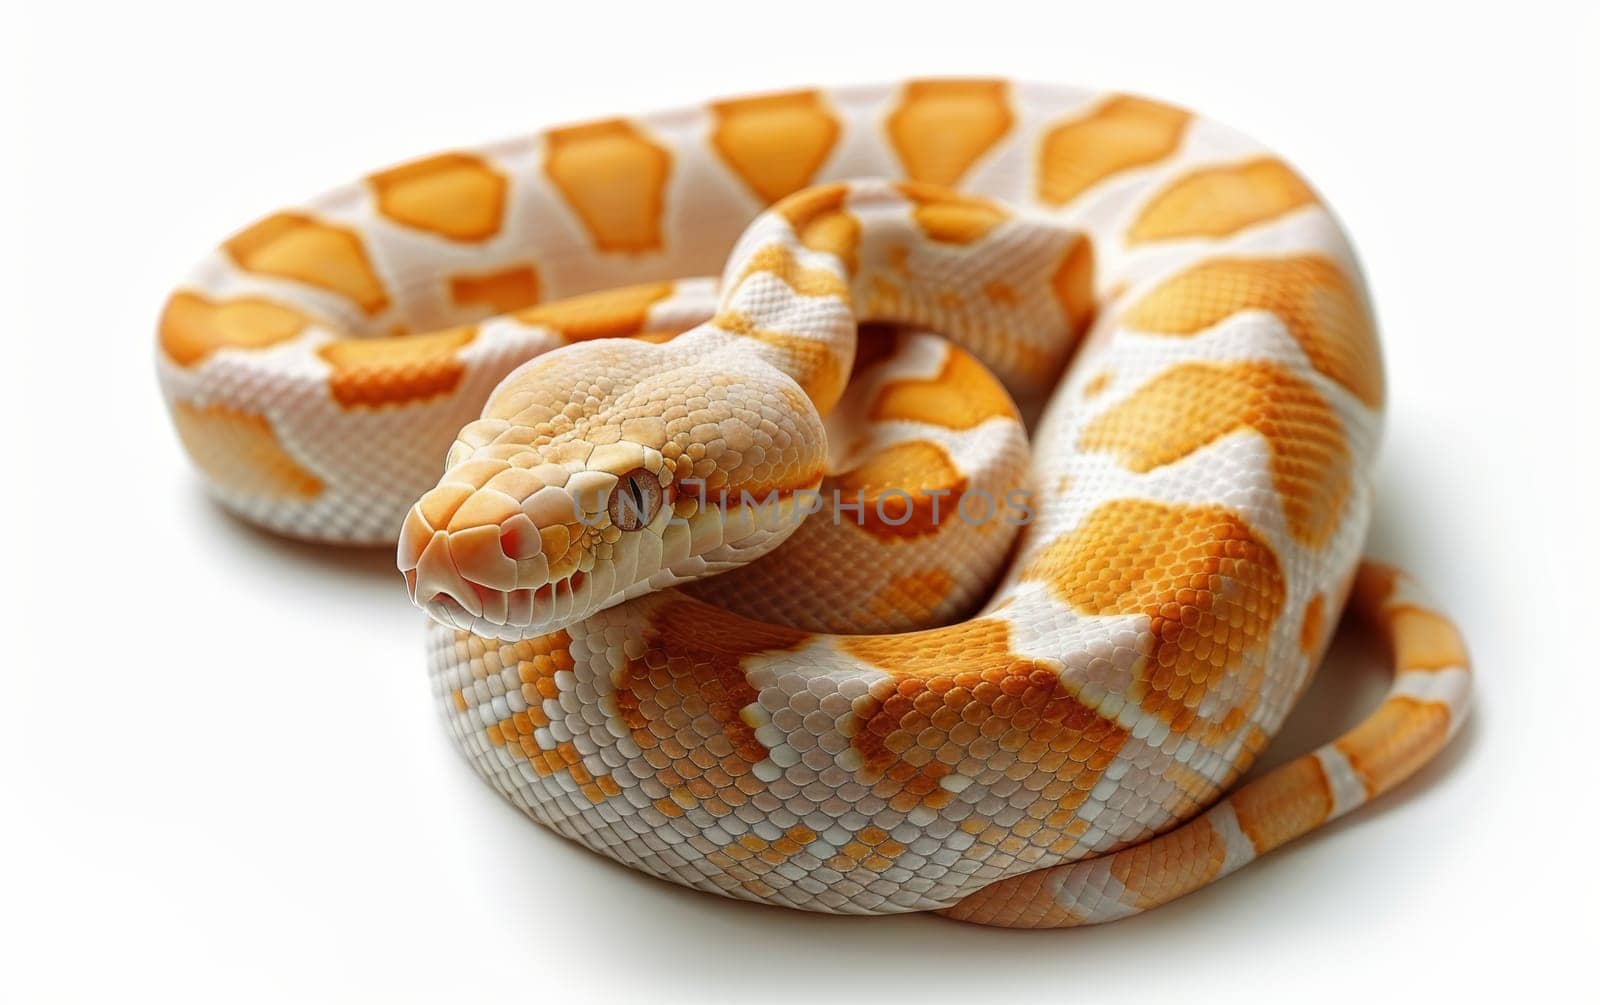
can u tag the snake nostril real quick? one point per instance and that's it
(519, 538)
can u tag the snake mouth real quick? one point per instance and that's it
(508, 615)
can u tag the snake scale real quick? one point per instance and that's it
(702, 381)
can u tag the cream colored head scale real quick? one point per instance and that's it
(605, 470)
(1064, 754)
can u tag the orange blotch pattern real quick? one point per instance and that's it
(1395, 741)
(1191, 405)
(1073, 284)
(1025, 901)
(812, 363)
(962, 395)
(502, 292)
(298, 247)
(1095, 386)
(1322, 309)
(1170, 866)
(606, 314)
(456, 196)
(193, 327)
(374, 372)
(872, 848)
(779, 261)
(1311, 627)
(1284, 804)
(821, 223)
(775, 143)
(1211, 589)
(942, 127)
(894, 486)
(749, 858)
(614, 178)
(949, 687)
(949, 217)
(537, 662)
(1122, 133)
(1216, 202)
(1424, 640)
(239, 451)
(912, 598)
(681, 702)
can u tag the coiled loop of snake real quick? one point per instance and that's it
(1196, 498)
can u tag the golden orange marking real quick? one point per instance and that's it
(1096, 385)
(1122, 133)
(1395, 741)
(912, 598)
(1313, 298)
(779, 261)
(615, 179)
(537, 662)
(942, 127)
(749, 858)
(239, 451)
(1191, 405)
(374, 372)
(681, 702)
(1212, 591)
(947, 679)
(1025, 901)
(962, 395)
(1218, 201)
(776, 143)
(821, 223)
(607, 314)
(1424, 640)
(298, 247)
(812, 363)
(1284, 804)
(898, 479)
(503, 291)
(454, 195)
(1073, 284)
(1311, 626)
(1167, 867)
(193, 327)
(949, 217)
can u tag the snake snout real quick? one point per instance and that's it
(483, 560)
(456, 551)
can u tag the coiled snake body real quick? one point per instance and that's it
(695, 602)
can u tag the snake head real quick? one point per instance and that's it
(605, 470)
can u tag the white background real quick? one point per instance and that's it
(223, 775)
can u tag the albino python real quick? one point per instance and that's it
(695, 603)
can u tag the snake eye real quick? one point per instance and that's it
(636, 501)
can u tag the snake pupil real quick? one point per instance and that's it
(636, 500)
